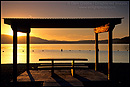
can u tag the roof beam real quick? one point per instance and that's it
(24, 24)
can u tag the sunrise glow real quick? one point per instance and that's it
(18, 33)
(64, 10)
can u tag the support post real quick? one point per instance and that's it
(15, 55)
(96, 51)
(52, 71)
(110, 54)
(28, 40)
(73, 70)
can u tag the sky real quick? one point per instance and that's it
(66, 9)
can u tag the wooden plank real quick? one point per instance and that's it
(60, 68)
(62, 64)
(52, 67)
(66, 59)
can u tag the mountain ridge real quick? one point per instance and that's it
(7, 39)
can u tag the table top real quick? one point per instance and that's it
(60, 59)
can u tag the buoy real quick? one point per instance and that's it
(61, 50)
(32, 50)
(42, 50)
(3, 51)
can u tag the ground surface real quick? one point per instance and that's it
(62, 77)
(87, 78)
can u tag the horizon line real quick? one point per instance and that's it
(60, 40)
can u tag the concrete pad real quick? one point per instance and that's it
(62, 77)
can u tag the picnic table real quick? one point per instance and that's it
(60, 66)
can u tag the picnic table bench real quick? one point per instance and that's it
(55, 66)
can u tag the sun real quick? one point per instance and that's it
(18, 33)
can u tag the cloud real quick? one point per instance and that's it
(30, 16)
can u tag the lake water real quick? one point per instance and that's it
(120, 52)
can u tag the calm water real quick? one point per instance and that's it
(120, 52)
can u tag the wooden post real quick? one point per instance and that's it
(14, 55)
(109, 54)
(52, 71)
(0, 68)
(73, 70)
(28, 40)
(96, 51)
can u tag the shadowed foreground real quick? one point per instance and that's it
(88, 77)
(61, 77)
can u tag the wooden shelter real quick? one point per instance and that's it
(100, 25)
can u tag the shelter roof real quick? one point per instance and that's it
(61, 22)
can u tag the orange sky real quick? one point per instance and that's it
(37, 9)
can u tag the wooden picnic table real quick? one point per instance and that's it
(72, 67)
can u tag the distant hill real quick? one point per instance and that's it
(124, 40)
(33, 40)
(7, 39)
